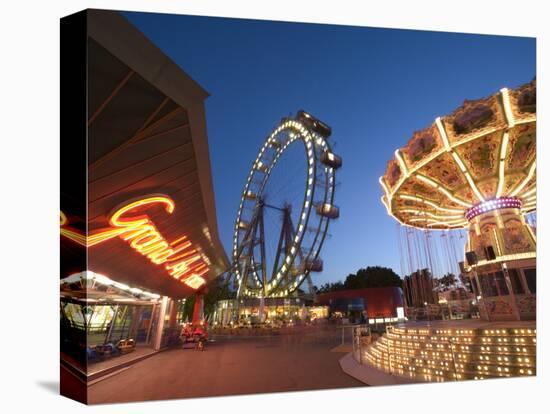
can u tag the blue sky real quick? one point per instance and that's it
(373, 86)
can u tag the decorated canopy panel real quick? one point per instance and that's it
(483, 152)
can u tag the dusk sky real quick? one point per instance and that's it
(374, 87)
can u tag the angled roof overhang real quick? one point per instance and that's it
(146, 136)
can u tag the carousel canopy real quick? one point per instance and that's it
(480, 157)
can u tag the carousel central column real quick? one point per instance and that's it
(499, 239)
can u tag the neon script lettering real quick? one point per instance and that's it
(179, 257)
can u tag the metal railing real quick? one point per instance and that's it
(358, 333)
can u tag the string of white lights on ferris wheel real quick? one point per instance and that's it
(314, 145)
(300, 132)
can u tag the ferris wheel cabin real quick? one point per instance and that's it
(330, 159)
(314, 124)
(328, 210)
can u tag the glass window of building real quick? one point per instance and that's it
(501, 284)
(515, 279)
(531, 279)
(488, 284)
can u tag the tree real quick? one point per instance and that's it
(448, 280)
(373, 276)
(216, 290)
(331, 287)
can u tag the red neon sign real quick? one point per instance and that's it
(179, 257)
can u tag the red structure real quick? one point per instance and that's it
(381, 302)
(198, 312)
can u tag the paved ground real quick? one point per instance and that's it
(139, 352)
(230, 366)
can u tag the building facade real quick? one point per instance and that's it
(379, 304)
(138, 220)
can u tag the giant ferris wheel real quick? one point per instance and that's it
(285, 210)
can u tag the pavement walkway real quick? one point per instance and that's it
(231, 366)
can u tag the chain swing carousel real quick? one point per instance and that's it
(471, 172)
(282, 221)
(474, 171)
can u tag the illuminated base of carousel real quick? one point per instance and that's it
(447, 351)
